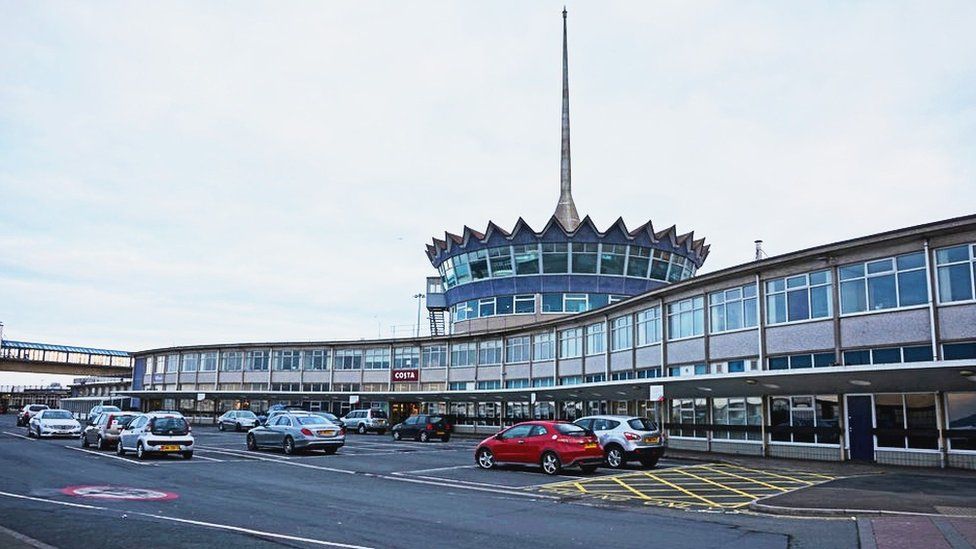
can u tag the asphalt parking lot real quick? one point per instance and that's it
(377, 493)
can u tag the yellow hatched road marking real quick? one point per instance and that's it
(580, 486)
(639, 494)
(770, 473)
(724, 487)
(766, 484)
(680, 489)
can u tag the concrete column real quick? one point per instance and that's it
(842, 423)
(941, 420)
(765, 419)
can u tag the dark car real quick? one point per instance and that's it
(424, 427)
(262, 418)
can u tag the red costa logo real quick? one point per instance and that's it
(405, 375)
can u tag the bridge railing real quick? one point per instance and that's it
(65, 357)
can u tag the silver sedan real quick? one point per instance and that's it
(293, 431)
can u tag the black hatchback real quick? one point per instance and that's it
(424, 427)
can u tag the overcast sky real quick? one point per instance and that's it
(236, 171)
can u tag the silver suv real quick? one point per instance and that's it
(625, 438)
(156, 432)
(363, 421)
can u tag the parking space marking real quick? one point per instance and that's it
(708, 486)
(19, 436)
(110, 456)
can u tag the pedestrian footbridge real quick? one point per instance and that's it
(45, 358)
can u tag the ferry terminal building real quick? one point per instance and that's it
(863, 349)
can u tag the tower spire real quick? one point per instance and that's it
(566, 208)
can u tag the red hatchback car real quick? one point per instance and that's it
(550, 444)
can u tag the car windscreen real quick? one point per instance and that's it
(57, 414)
(246, 413)
(169, 426)
(570, 429)
(435, 419)
(379, 414)
(123, 420)
(37, 408)
(642, 424)
(111, 409)
(313, 420)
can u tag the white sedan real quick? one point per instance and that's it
(53, 423)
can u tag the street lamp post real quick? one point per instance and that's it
(418, 297)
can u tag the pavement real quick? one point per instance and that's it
(379, 493)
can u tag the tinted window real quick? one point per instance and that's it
(518, 431)
(379, 414)
(169, 426)
(312, 420)
(37, 408)
(111, 409)
(585, 423)
(56, 414)
(538, 430)
(642, 424)
(124, 420)
(412, 420)
(570, 429)
(282, 420)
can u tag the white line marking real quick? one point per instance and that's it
(195, 523)
(112, 456)
(25, 539)
(18, 436)
(440, 469)
(467, 482)
(464, 487)
(198, 456)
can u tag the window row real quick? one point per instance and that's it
(563, 258)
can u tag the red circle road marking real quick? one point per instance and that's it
(122, 493)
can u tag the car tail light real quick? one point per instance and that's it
(632, 436)
(306, 432)
(111, 418)
(430, 426)
(342, 431)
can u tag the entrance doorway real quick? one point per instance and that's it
(860, 427)
(400, 411)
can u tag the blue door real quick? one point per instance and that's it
(860, 430)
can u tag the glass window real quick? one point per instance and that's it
(172, 364)
(191, 361)
(377, 359)
(897, 416)
(316, 359)
(621, 333)
(961, 408)
(524, 304)
(286, 360)
(543, 346)
(596, 338)
(518, 349)
(232, 361)
(552, 303)
(406, 357)
(526, 259)
(486, 307)
(649, 326)
(503, 305)
(478, 263)
(256, 360)
(501, 262)
(461, 269)
(739, 412)
(489, 385)
(686, 415)
(659, 266)
(805, 419)
(571, 343)
(555, 258)
(612, 259)
(348, 359)
(464, 354)
(686, 318)
(208, 361)
(800, 297)
(883, 284)
(958, 351)
(570, 380)
(575, 303)
(490, 352)
(955, 267)
(435, 356)
(584, 257)
(733, 309)
(638, 261)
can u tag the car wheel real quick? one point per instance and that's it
(551, 464)
(84, 441)
(220, 425)
(648, 462)
(288, 446)
(187, 455)
(252, 444)
(140, 451)
(588, 468)
(446, 438)
(362, 429)
(615, 457)
(100, 443)
(485, 459)
(424, 436)
(119, 450)
(396, 435)
(237, 427)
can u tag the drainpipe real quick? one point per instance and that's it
(932, 318)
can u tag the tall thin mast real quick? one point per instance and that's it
(566, 209)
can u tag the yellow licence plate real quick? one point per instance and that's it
(440, 432)
(652, 440)
(326, 433)
(589, 445)
(170, 448)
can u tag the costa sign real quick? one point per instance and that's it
(405, 375)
